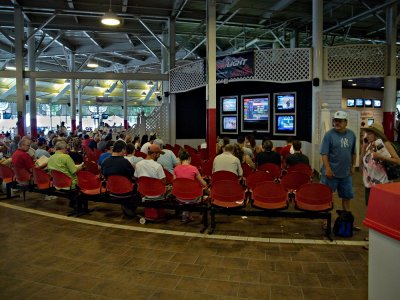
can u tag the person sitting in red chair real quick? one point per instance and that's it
(21, 159)
(116, 164)
(149, 167)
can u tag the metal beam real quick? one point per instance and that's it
(40, 51)
(152, 33)
(92, 38)
(41, 26)
(7, 36)
(148, 48)
(90, 75)
(61, 93)
(10, 91)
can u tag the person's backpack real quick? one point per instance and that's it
(393, 170)
(344, 224)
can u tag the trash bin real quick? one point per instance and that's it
(383, 220)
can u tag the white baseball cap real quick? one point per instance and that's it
(340, 115)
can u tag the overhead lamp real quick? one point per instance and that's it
(11, 66)
(110, 18)
(354, 84)
(92, 64)
(350, 80)
(144, 93)
(150, 83)
(156, 92)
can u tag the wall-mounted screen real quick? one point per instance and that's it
(104, 116)
(377, 103)
(350, 103)
(367, 103)
(7, 115)
(255, 113)
(370, 122)
(229, 104)
(285, 124)
(359, 102)
(229, 124)
(285, 102)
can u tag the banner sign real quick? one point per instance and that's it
(103, 99)
(235, 65)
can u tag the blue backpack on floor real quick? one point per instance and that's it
(344, 223)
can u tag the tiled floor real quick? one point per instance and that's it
(53, 256)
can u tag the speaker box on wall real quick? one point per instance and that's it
(315, 82)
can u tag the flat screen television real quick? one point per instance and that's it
(229, 104)
(255, 113)
(7, 116)
(285, 102)
(285, 124)
(370, 122)
(95, 117)
(377, 103)
(367, 103)
(229, 124)
(104, 116)
(350, 103)
(359, 102)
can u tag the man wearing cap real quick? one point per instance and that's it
(168, 160)
(338, 157)
(149, 166)
(145, 147)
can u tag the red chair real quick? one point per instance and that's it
(225, 195)
(203, 152)
(90, 184)
(206, 169)
(258, 177)
(185, 189)
(270, 195)
(176, 149)
(8, 177)
(303, 168)
(314, 197)
(292, 181)
(247, 170)
(224, 175)
(274, 169)
(168, 177)
(196, 161)
(152, 189)
(61, 180)
(92, 167)
(168, 147)
(41, 179)
(140, 154)
(24, 180)
(119, 186)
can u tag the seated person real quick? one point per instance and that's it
(107, 154)
(168, 159)
(130, 155)
(226, 161)
(288, 149)
(186, 170)
(61, 161)
(116, 164)
(21, 159)
(41, 150)
(149, 167)
(268, 155)
(297, 157)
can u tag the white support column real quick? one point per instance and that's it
(19, 64)
(72, 95)
(389, 94)
(170, 64)
(317, 89)
(80, 103)
(125, 102)
(211, 91)
(32, 82)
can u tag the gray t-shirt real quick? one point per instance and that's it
(168, 160)
(339, 147)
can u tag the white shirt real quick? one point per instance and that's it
(226, 161)
(149, 168)
(145, 148)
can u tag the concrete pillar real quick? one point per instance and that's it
(32, 82)
(72, 95)
(19, 64)
(125, 102)
(80, 103)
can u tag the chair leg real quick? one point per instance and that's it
(328, 227)
(212, 215)
(204, 220)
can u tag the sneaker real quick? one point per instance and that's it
(356, 228)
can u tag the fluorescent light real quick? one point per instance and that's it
(354, 84)
(92, 64)
(156, 92)
(350, 80)
(110, 19)
(382, 87)
(150, 83)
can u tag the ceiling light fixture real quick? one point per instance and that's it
(92, 64)
(144, 93)
(354, 84)
(110, 18)
(350, 80)
(11, 66)
(150, 83)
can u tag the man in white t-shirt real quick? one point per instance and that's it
(150, 167)
(145, 147)
(226, 161)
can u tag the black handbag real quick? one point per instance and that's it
(392, 170)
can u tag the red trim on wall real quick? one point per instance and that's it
(211, 131)
(33, 128)
(73, 125)
(388, 124)
(126, 124)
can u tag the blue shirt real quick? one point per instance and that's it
(103, 156)
(339, 147)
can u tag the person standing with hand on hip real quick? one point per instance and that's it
(338, 157)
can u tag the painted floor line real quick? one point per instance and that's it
(180, 233)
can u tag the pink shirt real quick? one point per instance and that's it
(186, 171)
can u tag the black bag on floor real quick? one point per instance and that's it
(344, 224)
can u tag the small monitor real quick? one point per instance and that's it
(229, 124)
(229, 104)
(377, 103)
(255, 113)
(7, 116)
(370, 122)
(285, 102)
(350, 103)
(95, 117)
(285, 124)
(359, 102)
(104, 116)
(367, 103)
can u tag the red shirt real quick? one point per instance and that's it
(22, 160)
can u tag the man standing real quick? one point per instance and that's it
(338, 158)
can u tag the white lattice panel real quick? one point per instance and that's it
(187, 77)
(153, 122)
(351, 61)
